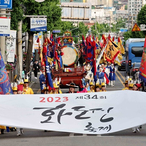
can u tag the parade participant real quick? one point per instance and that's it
(136, 87)
(20, 86)
(26, 88)
(82, 83)
(42, 80)
(36, 68)
(103, 87)
(2, 129)
(100, 75)
(91, 87)
(72, 87)
(57, 90)
(97, 88)
(14, 89)
(45, 90)
(126, 85)
(112, 76)
(131, 86)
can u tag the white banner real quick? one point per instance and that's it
(93, 113)
(11, 46)
(4, 26)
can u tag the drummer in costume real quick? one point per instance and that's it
(27, 89)
(126, 85)
(72, 87)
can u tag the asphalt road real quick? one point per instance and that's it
(52, 138)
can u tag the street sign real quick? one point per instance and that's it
(135, 27)
(5, 4)
(142, 27)
(56, 31)
(38, 24)
(4, 26)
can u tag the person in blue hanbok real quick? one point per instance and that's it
(100, 76)
(42, 79)
(112, 76)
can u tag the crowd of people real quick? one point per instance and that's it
(106, 77)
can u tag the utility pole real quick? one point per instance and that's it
(2, 38)
(19, 51)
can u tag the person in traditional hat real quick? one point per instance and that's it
(20, 87)
(136, 87)
(45, 90)
(91, 87)
(126, 85)
(14, 89)
(57, 90)
(97, 87)
(112, 76)
(26, 88)
(131, 86)
(100, 75)
(2, 129)
(103, 87)
(72, 87)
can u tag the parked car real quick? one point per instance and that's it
(123, 65)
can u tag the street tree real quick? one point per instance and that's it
(49, 8)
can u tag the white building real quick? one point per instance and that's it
(107, 3)
(76, 11)
(102, 15)
(134, 6)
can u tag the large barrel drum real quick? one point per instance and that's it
(70, 56)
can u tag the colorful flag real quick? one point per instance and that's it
(121, 48)
(5, 86)
(48, 74)
(142, 69)
(94, 61)
(111, 51)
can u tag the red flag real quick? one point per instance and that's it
(109, 36)
(38, 40)
(113, 39)
(104, 40)
(142, 68)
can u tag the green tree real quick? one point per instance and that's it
(16, 14)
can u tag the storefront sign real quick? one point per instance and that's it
(38, 24)
(4, 26)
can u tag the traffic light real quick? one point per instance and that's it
(24, 41)
(129, 63)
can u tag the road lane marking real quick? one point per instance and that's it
(119, 79)
(121, 75)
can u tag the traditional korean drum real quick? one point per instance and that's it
(70, 55)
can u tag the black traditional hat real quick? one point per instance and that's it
(72, 84)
